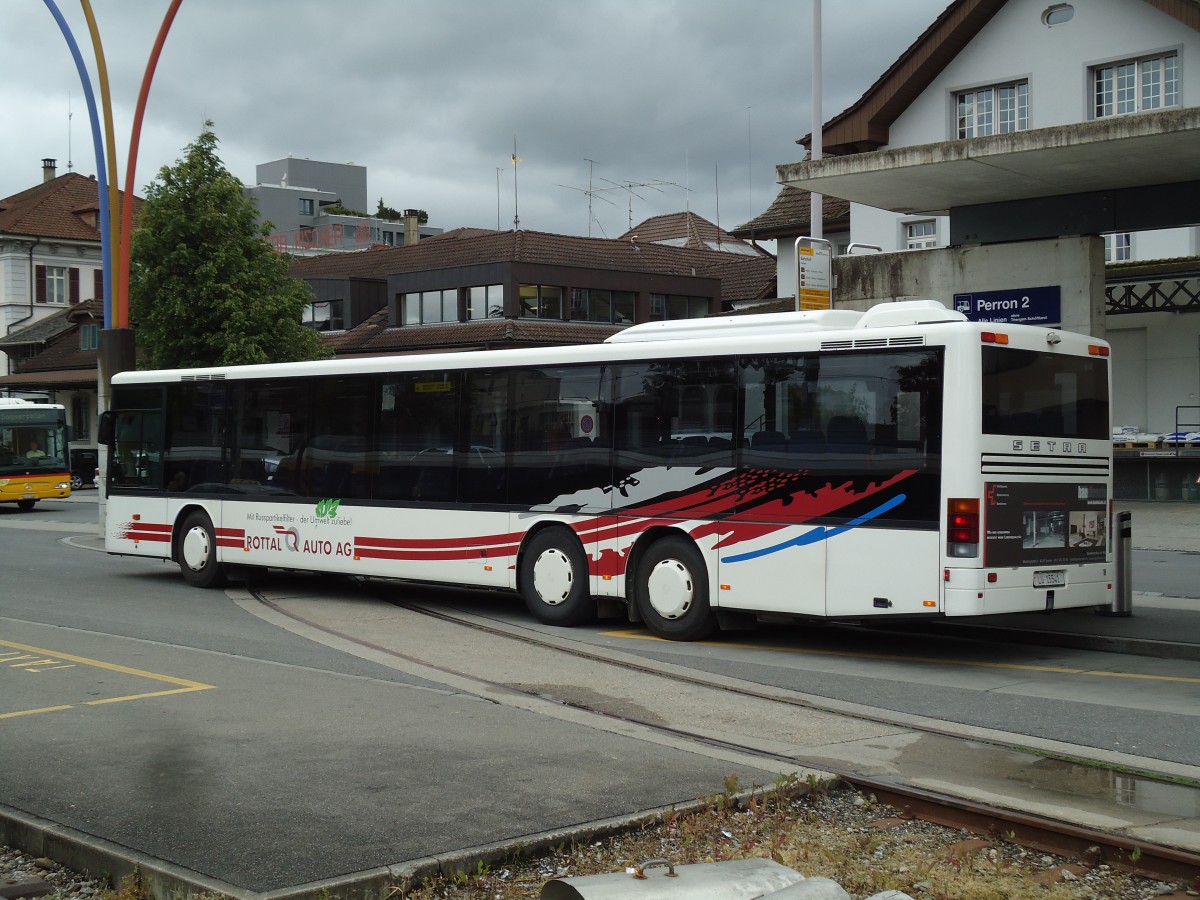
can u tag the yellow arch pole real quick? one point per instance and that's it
(111, 154)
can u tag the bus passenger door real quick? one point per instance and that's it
(136, 521)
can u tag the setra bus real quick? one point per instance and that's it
(34, 459)
(901, 462)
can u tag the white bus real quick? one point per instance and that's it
(902, 462)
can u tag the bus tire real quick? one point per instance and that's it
(198, 551)
(554, 579)
(672, 591)
(25, 505)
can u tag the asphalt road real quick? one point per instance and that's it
(169, 720)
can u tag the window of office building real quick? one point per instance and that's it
(429, 307)
(306, 206)
(325, 315)
(677, 306)
(593, 305)
(485, 301)
(541, 301)
(996, 109)
(1135, 85)
(920, 235)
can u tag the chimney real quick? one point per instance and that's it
(48, 169)
(411, 234)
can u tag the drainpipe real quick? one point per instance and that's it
(32, 288)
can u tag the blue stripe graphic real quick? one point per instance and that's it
(820, 533)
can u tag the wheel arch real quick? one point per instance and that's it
(538, 528)
(646, 540)
(177, 527)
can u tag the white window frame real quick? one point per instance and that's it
(992, 109)
(920, 234)
(1118, 247)
(1134, 85)
(56, 284)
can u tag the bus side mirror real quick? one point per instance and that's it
(107, 427)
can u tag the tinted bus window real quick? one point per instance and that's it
(1027, 392)
(195, 431)
(558, 449)
(861, 417)
(418, 428)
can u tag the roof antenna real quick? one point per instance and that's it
(515, 159)
(70, 164)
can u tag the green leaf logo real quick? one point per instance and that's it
(327, 509)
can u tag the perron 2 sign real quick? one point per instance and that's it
(1019, 306)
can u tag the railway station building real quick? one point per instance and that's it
(1040, 154)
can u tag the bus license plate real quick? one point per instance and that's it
(1049, 579)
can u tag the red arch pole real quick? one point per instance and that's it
(135, 135)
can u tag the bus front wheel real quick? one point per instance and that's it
(672, 591)
(198, 551)
(25, 505)
(554, 579)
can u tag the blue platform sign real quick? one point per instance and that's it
(1019, 306)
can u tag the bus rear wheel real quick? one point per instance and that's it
(672, 591)
(554, 579)
(198, 552)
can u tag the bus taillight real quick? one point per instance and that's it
(962, 527)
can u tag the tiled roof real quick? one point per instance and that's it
(64, 207)
(687, 229)
(791, 213)
(742, 277)
(62, 351)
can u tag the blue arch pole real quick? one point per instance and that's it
(101, 172)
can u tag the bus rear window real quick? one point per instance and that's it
(1031, 393)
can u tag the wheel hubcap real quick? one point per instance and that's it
(671, 589)
(552, 577)
(196, 549)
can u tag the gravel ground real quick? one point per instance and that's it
(864, 846)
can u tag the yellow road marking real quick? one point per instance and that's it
(44, 657)
(889, 657)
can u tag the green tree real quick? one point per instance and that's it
(394, 215)
(205, 287)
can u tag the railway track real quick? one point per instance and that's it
(1043, 833)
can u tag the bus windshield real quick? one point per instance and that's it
(1042, 394)
(31, 437)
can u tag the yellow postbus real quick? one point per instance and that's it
(34, 459)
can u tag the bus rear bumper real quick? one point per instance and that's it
(994, 600)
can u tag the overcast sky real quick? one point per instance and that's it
(698, 99)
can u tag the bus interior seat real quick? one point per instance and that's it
(806, 440)
(846, 434)
(768, 440)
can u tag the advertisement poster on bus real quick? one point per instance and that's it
(1045, 524)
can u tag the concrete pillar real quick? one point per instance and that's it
(1074, 264)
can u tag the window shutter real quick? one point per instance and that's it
(72, 286)
(98, 284)
(40, 281)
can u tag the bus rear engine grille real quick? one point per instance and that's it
(1066, 466)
